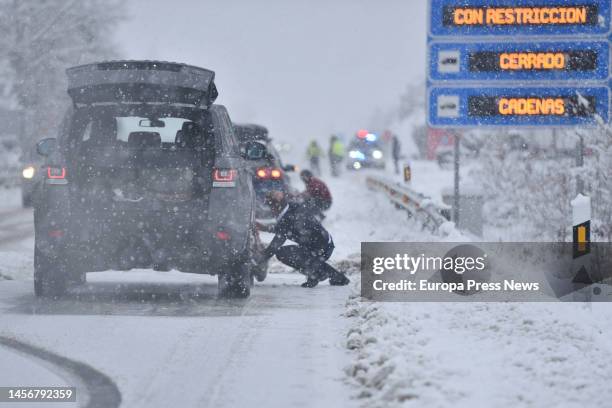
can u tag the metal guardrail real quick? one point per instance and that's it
(419, 206)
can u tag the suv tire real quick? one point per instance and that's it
(235, 282)
(53, 275)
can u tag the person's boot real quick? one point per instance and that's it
(311, 282)
(338, 279)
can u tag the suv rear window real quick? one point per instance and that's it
(168, 133)
(100, 128)
(168, 130)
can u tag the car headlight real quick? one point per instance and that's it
(356, 154)
(377, 154)
(28, 172)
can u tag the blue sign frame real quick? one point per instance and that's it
(438, 29)
(459, 69)
(462, 118)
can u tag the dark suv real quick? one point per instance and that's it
(269, 173)
(146, 172)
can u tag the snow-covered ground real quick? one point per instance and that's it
(470, 355)
(165, 339)
(30, 374)
(16, 237)
(480, 355)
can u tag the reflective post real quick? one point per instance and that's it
(407, 173)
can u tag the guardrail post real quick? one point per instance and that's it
(579, 163)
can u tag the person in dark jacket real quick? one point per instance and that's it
(396, 152)
(317, 197)
(313, 244)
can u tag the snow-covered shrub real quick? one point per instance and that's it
(528, 191)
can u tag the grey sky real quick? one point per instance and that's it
(302, 68)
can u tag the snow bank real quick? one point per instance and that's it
(460, 354)
(16, 265)
(472, 355)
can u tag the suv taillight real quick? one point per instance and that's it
(56, 173)
(224, 177)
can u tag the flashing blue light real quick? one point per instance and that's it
(371, 137)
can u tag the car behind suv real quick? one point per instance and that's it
(146, 172)
(269, 173)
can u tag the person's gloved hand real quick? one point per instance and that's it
(258, 259)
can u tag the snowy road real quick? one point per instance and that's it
(166, 339)
(178, 342)
(15, 226)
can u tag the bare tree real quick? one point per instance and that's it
(40, 39)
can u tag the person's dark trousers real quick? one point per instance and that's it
(316, 206)
(335, 165)
(310, 263)
(396, 162)
(314, 166)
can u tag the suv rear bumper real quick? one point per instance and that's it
(208, 255)
(185, 241)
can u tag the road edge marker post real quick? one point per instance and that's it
(582, 265)
(581, 226)
(407, 173)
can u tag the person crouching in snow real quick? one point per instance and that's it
(314, 245)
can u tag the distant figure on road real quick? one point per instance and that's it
(317, 197)
(314, 243)
(314, 153)
(396, 152)
(336, 154)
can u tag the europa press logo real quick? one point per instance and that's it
(464, 263)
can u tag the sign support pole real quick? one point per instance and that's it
(580, 163)
(456, 209)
